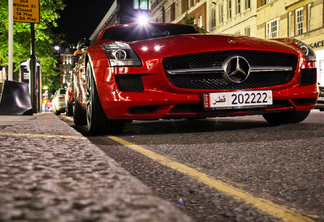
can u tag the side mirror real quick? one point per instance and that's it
(75, 59)
(83, 45)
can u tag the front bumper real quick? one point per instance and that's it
(157, 104)
(60, 105)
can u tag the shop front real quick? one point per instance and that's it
(317, 44)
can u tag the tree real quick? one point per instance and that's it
(188, 20)
(21, 39)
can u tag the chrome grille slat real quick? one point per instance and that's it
(271, 68)
(220, 70)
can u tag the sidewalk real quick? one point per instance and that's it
(50, 172)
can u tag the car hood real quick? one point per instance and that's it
(195, 43)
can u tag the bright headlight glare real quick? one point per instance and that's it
(310, 55)
(121, 54)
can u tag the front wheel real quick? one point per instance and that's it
(286, 117)
(97, 121)
(55, 111)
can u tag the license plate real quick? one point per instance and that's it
(238, 99)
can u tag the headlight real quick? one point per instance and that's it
(121, 54)
(308, 52)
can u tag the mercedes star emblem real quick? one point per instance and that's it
(236, 69)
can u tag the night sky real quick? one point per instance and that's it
(80, 18)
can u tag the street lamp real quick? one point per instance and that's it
(57, 48)
(142, 19)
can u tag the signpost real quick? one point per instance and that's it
(28, 11)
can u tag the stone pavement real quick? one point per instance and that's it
(50, 172)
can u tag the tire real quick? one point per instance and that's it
(286, 117)
(78, 116)
(55, 111)
(97, 121)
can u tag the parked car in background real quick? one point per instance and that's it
(320, 100)
(153, 71)
(58, 101)
(69, 100)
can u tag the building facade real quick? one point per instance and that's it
(66, 66)
(173, 11)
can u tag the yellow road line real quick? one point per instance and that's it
(281, 212)
(42, 135)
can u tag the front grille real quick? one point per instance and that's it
(214, 80)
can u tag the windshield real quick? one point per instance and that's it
(62, 91)
(140, 32)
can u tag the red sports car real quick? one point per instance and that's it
(153, 71)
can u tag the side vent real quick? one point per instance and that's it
(129, 83)
(308, 76)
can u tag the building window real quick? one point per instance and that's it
(272, 29)
(221, 13)
(136, 4)
(189, 4)
(194, 2)
(238, 7)
(309, 16)
(289, 24)
(142, 4)
(299, 25)
(200, 21)
(213, 22)
(248, 31)
(229, 9)
(247, 4)
(264, 2)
